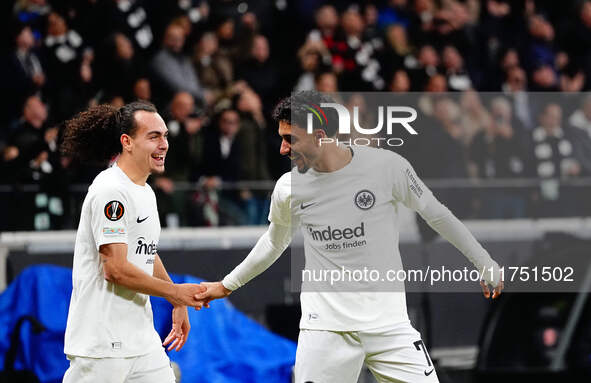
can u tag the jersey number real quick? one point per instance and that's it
(418, 344)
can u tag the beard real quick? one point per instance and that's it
(303, 169)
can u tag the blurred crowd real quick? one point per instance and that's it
(216, 68)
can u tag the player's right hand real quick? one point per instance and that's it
(214, 290)
(184, 295)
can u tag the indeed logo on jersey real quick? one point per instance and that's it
(145, 248)
(330, 234)
(349, 237)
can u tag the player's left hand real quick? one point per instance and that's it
(496, 291)
(180, 329)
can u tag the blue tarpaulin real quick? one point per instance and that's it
(224, 345)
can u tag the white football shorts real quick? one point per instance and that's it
(150, 368)
(392, 354)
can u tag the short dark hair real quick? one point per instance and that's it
(94, 134)
(295, 109)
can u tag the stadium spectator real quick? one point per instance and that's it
(194, 13)
(428, 66)
(33, 13)
(581, 117)
(68, 64)
(326, 82)
(475, 117)
(32, 158)
(544, 79)
(31, 126)
(23, 74)
(498, 68)
(215, 70)
(223, 161)
(327, 22)
(555, 157)
(579, 43)
(33, 132)
(515, 80)
(129, 17)
(184, 127)
(253, 138)
(400, 82)
(541, 48)
(440, 25)
(448, 113)
(398, 52)
(446, 139)
(436, 84)
(554, 149)
(370, 20)
(19, 150)
(247, 28)
(500, 26)
(236, 34)
(510, 60)
(314, 58)
(118, 67)
(196, 10)
(580, 124)
(500, 151)
(228, 46)
(173, 71)
(458, 78)
(515, 88)
(260, 72)
(184, 162)
(354, 56)
(142, 89)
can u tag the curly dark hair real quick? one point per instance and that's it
(295, 109)
(94, 134)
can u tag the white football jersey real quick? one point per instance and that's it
(105, 319)
(349, 218)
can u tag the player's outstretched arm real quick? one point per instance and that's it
(443, 221)
(266, 251)
(409, 189)
(118, 270)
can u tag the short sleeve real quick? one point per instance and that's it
(109, 217)
(280, 211)
(407, 187)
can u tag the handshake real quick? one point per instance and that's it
(197, 295)
(186, 295)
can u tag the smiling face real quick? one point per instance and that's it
(149, 144)
(298, 145)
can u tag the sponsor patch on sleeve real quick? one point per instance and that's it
(414, 184)
(113, 231)
(114, 210)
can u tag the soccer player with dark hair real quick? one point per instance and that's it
(339, 194)
(110, 335)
